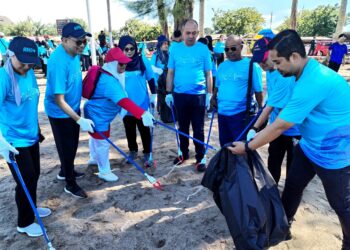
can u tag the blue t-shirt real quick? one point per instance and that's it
(320, 105)
(102, 107)
(232, 84)
(190, 65)
(4, 44)
(338, 52)
(280, 90)
(19, 124)
(213, 69)
(155, 61)
(136, 85)
(219, 47)
(86, 50)
(63, 77)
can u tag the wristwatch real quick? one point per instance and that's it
(246, 147)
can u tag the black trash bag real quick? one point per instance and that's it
(248, 197)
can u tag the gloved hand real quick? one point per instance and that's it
(207, 100)
(153, 100)
(251, 134)
(6, 148)
(156, 70)
(169, 99)
(147, 119)
(86, 124)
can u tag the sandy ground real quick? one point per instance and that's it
(130, 214)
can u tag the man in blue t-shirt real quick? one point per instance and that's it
(320, 106)
(189, 78)
(219, 50)
(4, 44)
(62, 102)
(279, 91)
(338, 50)
(230, 93)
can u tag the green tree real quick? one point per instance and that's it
(239, 22)
(183, 10)
(320, 21)
(138, 30)
(23, 28)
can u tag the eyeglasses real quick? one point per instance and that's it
(78, 42)
(129, 49)
(233, 49)
(191, 33)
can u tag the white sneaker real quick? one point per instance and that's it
(33, 230)
(108, 176)
(92, 162)
(44, 212)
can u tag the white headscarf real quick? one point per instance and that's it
(112, 67)
(9, 70)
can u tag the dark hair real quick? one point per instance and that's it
(210, 42)
(286, 43)
(342, 35)
(203, 40)
(177, 33)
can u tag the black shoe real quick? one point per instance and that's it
(179, 160)
(76, 191)
(288, 235)
(77, 175)
(200, 167)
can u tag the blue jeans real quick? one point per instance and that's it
(191, 110)
(230, 127)
(336, 183)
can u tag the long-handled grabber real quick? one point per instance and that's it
(156, 184)
(19, 176)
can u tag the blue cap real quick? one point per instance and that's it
(74, 30)
(260, 50)
(25, 50)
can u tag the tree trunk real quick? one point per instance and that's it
(201, 17)
(163, 17)
(341, 18)
(183, 10)
(293, 15)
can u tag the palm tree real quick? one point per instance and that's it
(293, 15)
(162, 15)
(201, 17)
(183, 9)
(341, 18)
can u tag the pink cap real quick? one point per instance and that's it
(116, 54)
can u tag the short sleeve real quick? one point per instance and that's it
(149, 71)
(114, 91)
(58, 77)
(171, 62)
(207, 60)
(257, 78)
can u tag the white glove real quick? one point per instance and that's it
(251, 134)
(147, 119)
(169, 99)
(156, 70)
(153, 100)
(86, 124)
(207, 100)
(6, 148)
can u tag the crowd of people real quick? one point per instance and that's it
(307, 108)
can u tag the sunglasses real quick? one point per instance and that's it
(129, 49)
(233, 49)
(79, 42)
(122, 64)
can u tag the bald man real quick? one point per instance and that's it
(189, 78)
(230, 93)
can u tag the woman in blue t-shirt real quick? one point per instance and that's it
(138, 73)
(19, 130)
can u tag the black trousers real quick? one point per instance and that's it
(85, 59)
(191, 110)
(66, 134)
(130, 123)
(28, 161)
(277, 149)
(336, 183)
(333, 65)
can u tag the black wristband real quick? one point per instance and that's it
(246, 147)
(255, 129)
(168, 92)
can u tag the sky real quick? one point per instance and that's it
(48, 11)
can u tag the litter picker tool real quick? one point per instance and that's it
(150, 162)
(19, 176)
(156, 184)
(204, 160)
